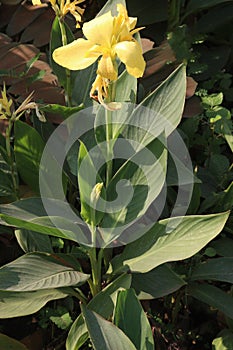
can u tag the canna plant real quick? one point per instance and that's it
(102, 189)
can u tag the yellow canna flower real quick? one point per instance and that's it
(5, 105)
(64, 6)
(109, 37)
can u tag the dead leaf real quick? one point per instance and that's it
(17, 55)
(147, 44)
(190, 87)
(6, 13)
(192, 107)
(41, 25)
(24, 15)
(158, 57)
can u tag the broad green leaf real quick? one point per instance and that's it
(30, 214)
(86, 170)
(28, 147)
(82, 85)
(227, 133)
(126, 88)
(197, 5)
(156, 283)
(215, 18)
(213, 296)
(219, 269)
(223, 246)
(6, 176)
(104, 334)
(224, 340)
(164, 107)
(31, 241)
(59, 109)
(37, 271)
(8, 343)
(148, 12)
(15, 304)
(170, 240)
(130, 317)
(103, 303)
(145, 173)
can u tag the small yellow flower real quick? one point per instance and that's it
(5, 105)
(64, 6)
(96, 191)
(109, 37)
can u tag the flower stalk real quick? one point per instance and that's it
(68, 90)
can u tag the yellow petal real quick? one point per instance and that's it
(99, 30)
(76, 55)
(36, 2)
(130, 53)
(107, 69)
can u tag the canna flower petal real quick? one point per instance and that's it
(107, 69)
(130, 53)
(99, 30)
(74, 56)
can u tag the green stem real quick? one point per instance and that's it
(173, 14)
(68, 75)
(77, 293)
(95, 284)
(10, 155)
(108, 121)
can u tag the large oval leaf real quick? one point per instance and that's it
(8, 343)
(103, 303)
(28, 147)
(213, 296)
(30, 214)
(31, 241)
(130, 317)
(219, 269)
(156, 283)
(37, 271)
(104, 334)
(171, 240)
(161, 111)
(14, 304)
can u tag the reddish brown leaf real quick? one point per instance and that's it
(3, 126)
(192, 107)
(23, 17)
(147, 44)
(43, 91)
(5, 48)
(6, 13)
(39, 30)
(17, 55)
(159, 57)
(4, 39)
(191, 87)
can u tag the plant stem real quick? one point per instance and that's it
(95, 284)
(10, 155)
(108, 118)
(108, 121)
(68, 75)
(77, 293)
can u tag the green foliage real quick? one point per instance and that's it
(224, 341)
(129, 316)
(55, 263)
(28, 148)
